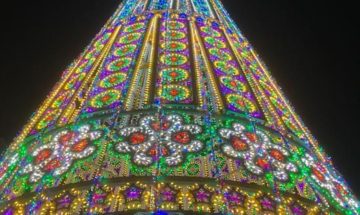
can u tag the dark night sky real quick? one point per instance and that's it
(312, 51)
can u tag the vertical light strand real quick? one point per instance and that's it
(196, 69)
(209, 73)
(129, 101)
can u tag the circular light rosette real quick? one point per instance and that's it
(60, 99)
(88, 56)
(174, 35)
(241, 103)
(119, 64)
(215, 42)
(74, 80)
(101, 41)
(125, 50)
(267, 87)
(48, 118)
(290, 123)
(233, 84)
(174, 92)
(174, 74)
(276, 102)
(220, 54)
(83, 64)
(113, 80)
(174, 59)
(174, 25)
(99, 47)
(174, 46)
(226, 68)
(134, 27)
(211, 31)
(129, 38)
(105, 99)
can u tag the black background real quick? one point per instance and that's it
(311, 50)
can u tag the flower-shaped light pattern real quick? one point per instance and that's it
(233, 84)
(174, 46)
(174, 35)
(240, 103)
(129, 38)
(260, 155)
(211, 31)
(325, 179)
(215, 42)
(174, 74)
(113, 80)
(226, 68)
(125, 50)
(169, 138)
(134, 27)
(105, 98)
(173, 59)
(222, 55)
(57, 156)
(174, 25)
(174, 92)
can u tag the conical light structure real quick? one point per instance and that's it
(169, 110)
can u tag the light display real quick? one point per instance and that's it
(169, 110)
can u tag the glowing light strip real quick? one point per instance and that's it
(198, 75)
(209, 72)
(151, 67)
(130, 97)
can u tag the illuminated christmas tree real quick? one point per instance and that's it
(169, 110)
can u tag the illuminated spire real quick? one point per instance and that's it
(169, 108)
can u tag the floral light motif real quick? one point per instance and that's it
(174, 25)
(125, 50)
(105, 98)
(240, 103)
(174, 74)
(226, 68)
(174, 59)
(169, 138)
(57, 156)
(325, 179)
(257, 151)
(174, 35)
(174, 92)
(113, 80)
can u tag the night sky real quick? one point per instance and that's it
(311, 50)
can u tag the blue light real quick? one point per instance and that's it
(160, 213)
